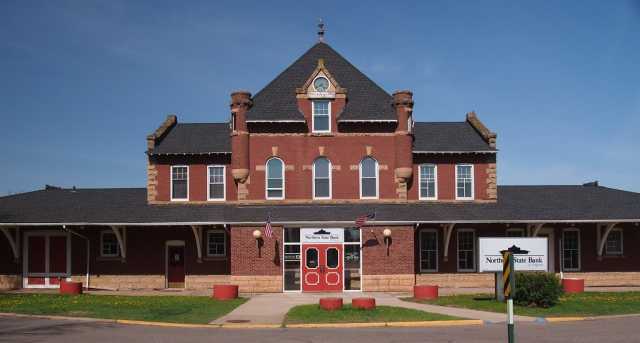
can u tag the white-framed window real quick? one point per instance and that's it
(321, 116)
(109, 246)
(515, 232)
(410, 124)
(429, 250)
(321, 178)
(368, 178)
(216, 243)
(571, 249)
(466, 250)
(275, 179)
(428, 182)
(233, 122)
(614, 244)
(179, 183)
(216, 190)
(464, 182)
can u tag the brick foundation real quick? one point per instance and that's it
(457, 280)
(257, 283)
(10, 281)
(206, 281)
(607, 278)
(122, 282)
(388, 283)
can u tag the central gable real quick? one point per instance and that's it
(277, 102)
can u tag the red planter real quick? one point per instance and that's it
(573, 285)
(330, 304)
(225, 292)
(363, 303)
(425, 292)
(73, 288)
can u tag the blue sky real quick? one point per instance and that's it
(83, 82)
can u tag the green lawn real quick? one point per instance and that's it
(177, 309)
(581, 304)
(306, 314)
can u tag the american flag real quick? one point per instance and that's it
(268, 231)
(360, 221)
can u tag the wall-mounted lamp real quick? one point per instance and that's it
(257, 234)
(387, 238)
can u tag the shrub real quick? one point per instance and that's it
(537, 289)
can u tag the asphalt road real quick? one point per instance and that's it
(45, 330)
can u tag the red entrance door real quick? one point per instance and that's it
(322, 267)
(175, 266)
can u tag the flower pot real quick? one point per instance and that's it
(72, 288)
(425, 292)
(330, 304)
(363, 303)
(225, 292)
(573, 285)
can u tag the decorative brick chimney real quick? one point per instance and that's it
(152, 170)
(403, 103)
(241, 102)
(490, 137)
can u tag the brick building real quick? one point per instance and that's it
(318, 148)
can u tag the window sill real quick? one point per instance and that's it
(612, 256)
(214, 258)
(108, 258)
(322, 134)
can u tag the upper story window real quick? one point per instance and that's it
(216, 190)
(322, 178)
(368, 178)
(233, 122)
(410, 124)
(179, 183)
(614, 243)
(321, 84)
(464, 182)
(428, 182)
(275, 179)
(321, 116)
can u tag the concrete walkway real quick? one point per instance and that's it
(272, 308)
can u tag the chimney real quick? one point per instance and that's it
(403, 103)
(240, 104)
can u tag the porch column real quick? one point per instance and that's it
(602, 236)
(448, 229)
(197, 234)
(121, 233)
(13, 241)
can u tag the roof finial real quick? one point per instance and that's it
(320, 30)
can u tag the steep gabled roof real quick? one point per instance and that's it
(448, 137)
(365, 99)
(194, 138)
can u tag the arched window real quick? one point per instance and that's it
(368, 178)
(275, 179)
(322, 178)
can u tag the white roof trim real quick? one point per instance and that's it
(367, 120)
(191, 153)
(276, 121)
(456, 152)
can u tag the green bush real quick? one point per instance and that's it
(537, 289)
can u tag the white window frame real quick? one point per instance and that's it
(171, 185)
(437, 251)
(606, 247)
(102, 254)
(435, 181)
(224, 182)
(515, 229)
(266, 179)
(224, 235)
(474, 251)
(473, 182)
(377, 178)
(313, 115)
(579, 251)
(313, 179)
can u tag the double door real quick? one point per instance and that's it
(322, 269)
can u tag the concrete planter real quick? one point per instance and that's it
(330, 304)
(573, 285)
(225, 292)
(425, 292)
(70, 288)
(363, 303)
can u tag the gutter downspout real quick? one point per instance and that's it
(64, 227)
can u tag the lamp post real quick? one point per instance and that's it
(387, 238)
(257, 234)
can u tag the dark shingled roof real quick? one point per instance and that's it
(365, 99)
(195, 138)
(128, 205)
(448, 136)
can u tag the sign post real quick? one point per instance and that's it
(508, 282)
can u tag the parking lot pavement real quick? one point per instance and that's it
(46, 330)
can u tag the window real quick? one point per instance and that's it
(292, 259)
(216, 243)
(179, 183)
(216, 178)
(428, 182)
(109, 244)
(275, 179)
(464, 182)
(233, 122)
(515, 233)
(368, 178)
(410, 124)
(322, 178)
(613, 247)
(571, 249)
(428, 251)
(466, 250)
(321, 116)
(312, 258)
(332, 257)
(352, 261)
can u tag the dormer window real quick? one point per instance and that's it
(321, 84)
(321, 116)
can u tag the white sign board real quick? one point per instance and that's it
(322, 235)
(535, 259)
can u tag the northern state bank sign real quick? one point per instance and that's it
(536, 257)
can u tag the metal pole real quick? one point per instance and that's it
(510, 324)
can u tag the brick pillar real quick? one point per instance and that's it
(240, 103)
(492, 182)
(403, 103)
